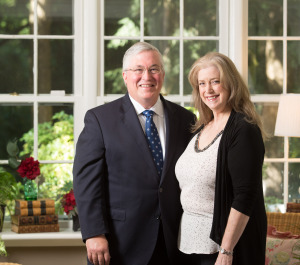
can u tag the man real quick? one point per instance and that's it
(129, 209)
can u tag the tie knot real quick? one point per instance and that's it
(148, 113)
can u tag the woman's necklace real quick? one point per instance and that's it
(197, 149)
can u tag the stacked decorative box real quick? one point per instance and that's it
(34, 217)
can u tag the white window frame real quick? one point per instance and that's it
(271, 98)
(181, 98)
(35, 99)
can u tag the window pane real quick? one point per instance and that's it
(294, 181)
(201, 18)
(265, 72)
(16, 73)
(15, 120)
(55, 66)
(293, 66)
(55, 132)
(161, 18)
(294, 147)
(293, 18)
(122, 18)
(16, 17)
(265, 18)
(193, 50)
(268, 113)
(114, 52)
(273, 186)
(54, 181)
(55, 17)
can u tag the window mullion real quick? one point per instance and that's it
(181, 50)
(142, 20)
(238, 42)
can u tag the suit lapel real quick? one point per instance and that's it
(171, 125)
(133, 127)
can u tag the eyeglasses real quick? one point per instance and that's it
(141, 70)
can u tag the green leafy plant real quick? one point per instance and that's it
(8, 186)
(3, 252)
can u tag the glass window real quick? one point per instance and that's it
(273, 69)
(55, 131)
(293, 59)
(37, 58)
(55, 17)
(294, 181)
(273, 186)
(15, 120)
(265, 18)
(161, 18)
(183, 31)
(16, 56)
(14, 17)
(122, 18)
(274, 147)
(265, 67)
(204, 19)
(293, 19)
(55, 66)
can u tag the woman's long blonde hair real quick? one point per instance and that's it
(231, 80)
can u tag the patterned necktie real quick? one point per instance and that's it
(153, 141)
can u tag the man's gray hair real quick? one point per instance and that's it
(137, 48)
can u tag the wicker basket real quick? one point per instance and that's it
(285, 222)
(7, 263)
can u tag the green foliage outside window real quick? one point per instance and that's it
(55, 143)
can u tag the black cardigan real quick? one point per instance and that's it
(239, 186)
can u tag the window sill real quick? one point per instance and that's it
(65, 237)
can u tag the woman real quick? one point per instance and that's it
(220, 172)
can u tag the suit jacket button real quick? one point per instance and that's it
(160, 189)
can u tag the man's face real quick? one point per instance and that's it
(144, 86)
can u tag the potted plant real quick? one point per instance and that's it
(69, 204)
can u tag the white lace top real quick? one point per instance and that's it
(196, 173)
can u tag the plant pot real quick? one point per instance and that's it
(2, 214)
(76, 224)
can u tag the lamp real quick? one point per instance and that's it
(288, 116)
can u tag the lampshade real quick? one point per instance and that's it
(288, 116)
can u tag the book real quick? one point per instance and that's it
(34, 220)
(34, 211)
(34, 228)
(293, 207)
(43, 203)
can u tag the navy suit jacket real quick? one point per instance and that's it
(117, 189)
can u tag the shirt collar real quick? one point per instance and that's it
(157, 107)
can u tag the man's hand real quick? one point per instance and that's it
(97, 250)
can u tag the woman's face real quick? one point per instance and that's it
(211, 91)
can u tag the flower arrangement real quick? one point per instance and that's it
(29, 168)
(69, 204)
